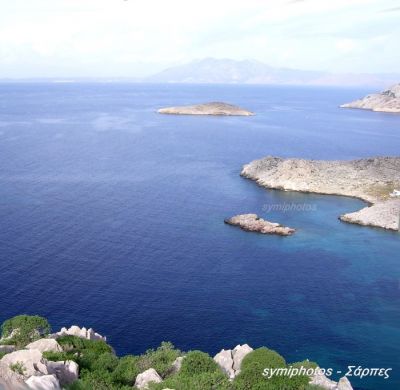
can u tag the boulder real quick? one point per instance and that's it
(9, 379)
(238, 354)
(225, 361)
(143, 379)
(84, 333)
(344, 384)
(230, 360)
(45, 382)
(65, 371)
(45, 345)
(30, 360)
(176, 365)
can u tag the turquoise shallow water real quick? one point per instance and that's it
(112, 217)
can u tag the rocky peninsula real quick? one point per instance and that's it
(80, 359)
(375, 180)
(253, 223)
(386, 101)
(213, 108)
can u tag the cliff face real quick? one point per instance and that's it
(386, 101)
(373, 180)
(214, 108)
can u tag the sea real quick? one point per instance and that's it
(112, 217)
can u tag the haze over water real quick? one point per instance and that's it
(112, 218)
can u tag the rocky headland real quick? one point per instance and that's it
(253, 223)
(386, 101)
(374, 180)
(80, 359)
(214, 108)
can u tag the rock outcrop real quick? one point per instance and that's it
(214, 108)
(371, 179)
(84, 333)
(253, 223)
(27, 362)
(45, 345)
(319, 379)
(65, 371)
(386, 101)
(230, 360)
(45, 382)
(146, 377)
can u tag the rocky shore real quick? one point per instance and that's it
(386, 101)
(253, 223)
(374, 180)
(214, 108)
(79, 358)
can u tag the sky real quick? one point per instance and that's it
(131, 38)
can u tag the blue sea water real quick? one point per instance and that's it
(112, 218)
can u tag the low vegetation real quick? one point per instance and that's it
(101, 369)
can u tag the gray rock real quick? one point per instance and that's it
(386, 101)
(230, 360)
(344, 384)
(45, 382)
(7, 348)
(253, 223)
(65, 371)
(31, 361)
(239, 353)
(45, 345)
(84, 333)
(9, 379)
(370, 179)
(143, 379)
(214, 108)
(176, 365)
(225, 361)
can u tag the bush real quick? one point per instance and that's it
(18, 367)
(24, 329)
(206, 381)
(160, 359)
(126, 371)
(197, 362)
(251, 378)
(57, 356)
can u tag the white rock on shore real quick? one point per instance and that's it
(369, 179)
(214, 108)
(84, 333)
(253, 223)
(386, 101)
(45, 382)
(319, 379)
(45, 345)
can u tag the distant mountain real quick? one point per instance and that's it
(226, 71)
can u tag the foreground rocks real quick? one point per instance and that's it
(253, 223)
(214, 108)
(373, 180)
(386, 101)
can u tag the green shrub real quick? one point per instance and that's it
(126, 371)
(26, 329)
(205, 381)
(160, 359)
(57, 356)
(197, 362)
(18, 367)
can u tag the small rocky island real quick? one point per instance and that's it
(374, 180)
(253, 223)
(32, 358)
(386, 101)
(214, 108)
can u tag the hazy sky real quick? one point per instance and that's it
(132, 37)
